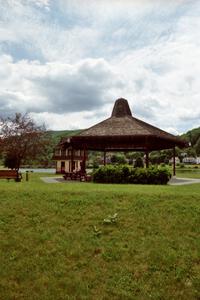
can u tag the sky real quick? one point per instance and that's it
(65, 62)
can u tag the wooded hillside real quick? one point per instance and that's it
(193, 136)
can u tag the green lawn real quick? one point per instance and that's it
(188, 173)
(55, 245)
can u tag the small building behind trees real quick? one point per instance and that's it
(69, 159)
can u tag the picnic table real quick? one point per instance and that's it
(77, 176)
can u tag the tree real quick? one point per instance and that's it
(10, 160)
(191, 152)
(139, 163)
(197, 147)
(118, 158)
(21, 140)
(155, 157)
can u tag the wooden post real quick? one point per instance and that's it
(84, 161)
(72, 159)
(174, 161)
(147, 159)
(104, 157)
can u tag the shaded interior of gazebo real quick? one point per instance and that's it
(123, 132)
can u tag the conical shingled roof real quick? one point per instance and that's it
(122, 130)
(121, 123)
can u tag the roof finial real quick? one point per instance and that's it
(121, 108)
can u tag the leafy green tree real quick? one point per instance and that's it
(139, 163)
(155, 157)
(10, 161)
(21, 140)
(118, 158)
(197, 147)
(134, 155)
(191, 152)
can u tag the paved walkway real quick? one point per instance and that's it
(52, 179)
(183, 181)
(57, 180)
(173, 181)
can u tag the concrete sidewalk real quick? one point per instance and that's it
(57, 180)
(53, 179)
(173, 180)
(182, 181)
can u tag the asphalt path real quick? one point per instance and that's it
(173, 180)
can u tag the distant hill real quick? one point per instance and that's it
(57, 135)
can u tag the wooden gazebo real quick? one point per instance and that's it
(123, 132)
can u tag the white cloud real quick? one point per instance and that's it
(65, 121)
(41, 3)
(32, 30)
(169, 73)
(56, 87)
(63, 58)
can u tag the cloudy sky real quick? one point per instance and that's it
(66, 61)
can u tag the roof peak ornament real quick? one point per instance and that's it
(121, 108)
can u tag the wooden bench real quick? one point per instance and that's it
(10, 174)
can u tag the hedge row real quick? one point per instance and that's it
(126, 174)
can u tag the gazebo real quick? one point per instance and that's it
(123, 132)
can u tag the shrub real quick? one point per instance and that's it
(181, 165)
(126, 174)
(108, 174)
(162, 164)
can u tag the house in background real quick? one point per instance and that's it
(191, 160)
(69, 160)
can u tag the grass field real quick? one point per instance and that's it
(55, 244)
(188, 173)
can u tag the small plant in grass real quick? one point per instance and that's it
(110, 219)
(97, 231)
